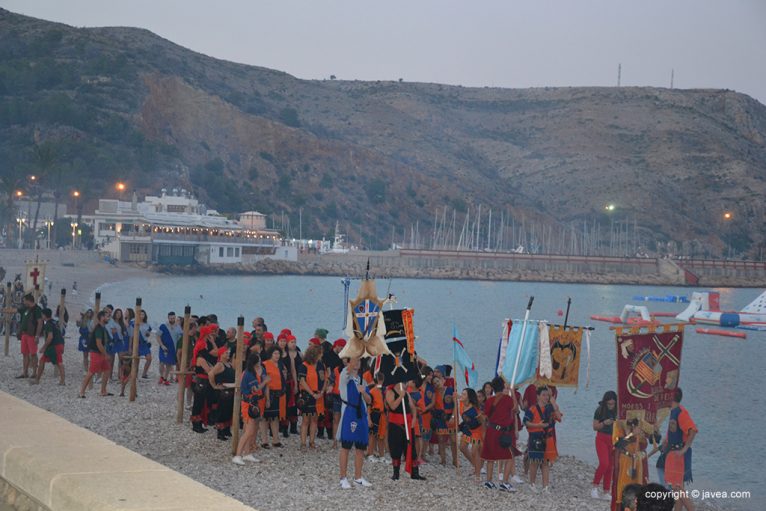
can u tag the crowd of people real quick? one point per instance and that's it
(314, 394)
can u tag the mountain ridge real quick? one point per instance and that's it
(372, 155)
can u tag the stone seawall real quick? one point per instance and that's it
(48, 463)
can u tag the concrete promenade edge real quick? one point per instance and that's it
(68, 468)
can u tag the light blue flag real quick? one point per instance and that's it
(527, 368)
(462, 359)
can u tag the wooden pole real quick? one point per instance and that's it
(37, 293)
(456, 413)
(238, 364)
(97, 304)
(135, 359)
(62, 305)
(7, 319)
(181, 376)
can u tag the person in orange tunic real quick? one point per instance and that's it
(375, 449)
(276, 398)
(310, 400)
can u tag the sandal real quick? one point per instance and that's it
(266, 446)
(278, 444)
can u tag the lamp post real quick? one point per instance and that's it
(20, 220)
(727, 217)
(74, 233)
(49, 223)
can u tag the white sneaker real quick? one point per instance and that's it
(372, 459)
(517, 480)
(546, 490)
(594, 493)
(607, 496)
(250, 458)
(237, 460)
(344, 484)
(363, 482)
(534, 488)
(483, 470)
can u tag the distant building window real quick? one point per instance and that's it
(229, 251)
(220, 251)
(236, 252)
(176, 208)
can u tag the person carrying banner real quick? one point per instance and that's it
(400, 440)
(498, 439)
(354, 426)
(630, 444)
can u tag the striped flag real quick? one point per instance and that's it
(462, 359)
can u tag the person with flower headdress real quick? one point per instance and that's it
(221, 377)
(203, 359)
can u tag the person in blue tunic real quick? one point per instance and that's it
(170, 333)
(354, 430)
(144, 346)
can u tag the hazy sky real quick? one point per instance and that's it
(504, 43)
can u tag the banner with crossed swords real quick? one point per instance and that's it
(648, 372)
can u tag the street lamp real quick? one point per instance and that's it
(19, 194)
(120, 186)
(728, 215)
(74, 233)
(610, 207)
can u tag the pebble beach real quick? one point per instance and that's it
(285, 478)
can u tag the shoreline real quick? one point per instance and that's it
(286, 478)
(299, 268)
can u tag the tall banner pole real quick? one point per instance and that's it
(62, 306)
(181, 375)
(238, 363)
(8, 312)
(134, 349)
(456, 411)
(521, 343)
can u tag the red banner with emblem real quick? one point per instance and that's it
(409, 329)
(648, 371)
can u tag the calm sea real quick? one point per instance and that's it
(721, 377)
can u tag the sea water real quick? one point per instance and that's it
(721, 377)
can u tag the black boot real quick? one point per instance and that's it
(197, 427)
(320, 432)
(283, 430)
(395, 477)
(416, 474)
(227, 432)
(293, 428)
(222, 435)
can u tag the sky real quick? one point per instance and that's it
(496, 43)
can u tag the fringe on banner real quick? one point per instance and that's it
(546, 365)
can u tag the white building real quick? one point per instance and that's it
(176, 228)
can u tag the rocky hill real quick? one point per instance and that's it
(123, 103)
